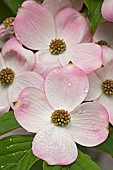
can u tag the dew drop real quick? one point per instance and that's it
(17, 36)
(69, 84)
(86, 90)
(10, 139)
(1, 166)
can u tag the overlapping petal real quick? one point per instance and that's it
(34, 26)
(107, 10)
(16, 57)
(55, 145)
(77, 4)
(66, 87)
(89, 124)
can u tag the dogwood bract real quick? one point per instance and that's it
(16, 64)
(56, 38)
(107, 10)
(57, 120)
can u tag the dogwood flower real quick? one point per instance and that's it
(107, 10)
(55, 6)
(16, 64)
(57, 120)
(56, 38)
(6, 28)
(101, 88)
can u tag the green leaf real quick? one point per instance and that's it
(8, 123)
(107, 146)
(16, 153)
(83, 162)
(14, 4)
(94, 13)
(38, 165)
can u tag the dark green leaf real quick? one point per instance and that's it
(38, 165)
(8, 123)
(83, 162)
(16, 153)
(107, 146)
(94, 13)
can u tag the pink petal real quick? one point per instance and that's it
(104, 32)
(45, 61)
(107, 55)
(26, 79)
(95, 87)
(32, 110)
(107, 102)
(77, 4)
(15, 132)
(70, 24)
(87, 56)
(107, 10)
(55, 146)
(89, 124)
(55, 6)
(5, 31)
(16, 57)
(4, 101)
(66, 87)
(34, 26)
(2, 64)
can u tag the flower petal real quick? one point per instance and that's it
(55, 146)
(26, 79)
(107, 102)
(89, 124)
(107, 55)
(32, 110)
(2, 64)
(34, 26)
(77, 4)
(95, 88)
(55, 6)
(104, 32)
(16, 57)
(107, 10)
(45, 62)
(66, 87)
(87, 56)
(4, 101)
(70, 24)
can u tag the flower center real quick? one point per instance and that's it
(60, 117)
(57, 46)
(8, 22)
(102, 42)
(6, 76)
(107, 87)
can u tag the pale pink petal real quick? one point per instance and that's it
(89, 124)
(4, 101)
(34, 26)
(55, 146)
(107, 102)
(55, 6)
(45, 61)
(106, 72)
(104, 32)
(2, 64)
(77, 4)
(72, 27)
(5, 31)
(66, 87)
(19, 131)
(107, 55)
(95, 87)
(16, 57)
(87, 56)
(107, 10)
(32, 110)
(26, 79)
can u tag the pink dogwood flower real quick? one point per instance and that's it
(16, 64)
(57, 39)
(6, 28)
(58, 118)
(101, 88)
(107, 10)
(55, 6)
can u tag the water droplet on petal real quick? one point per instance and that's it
(86, 90)
(69, 84)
